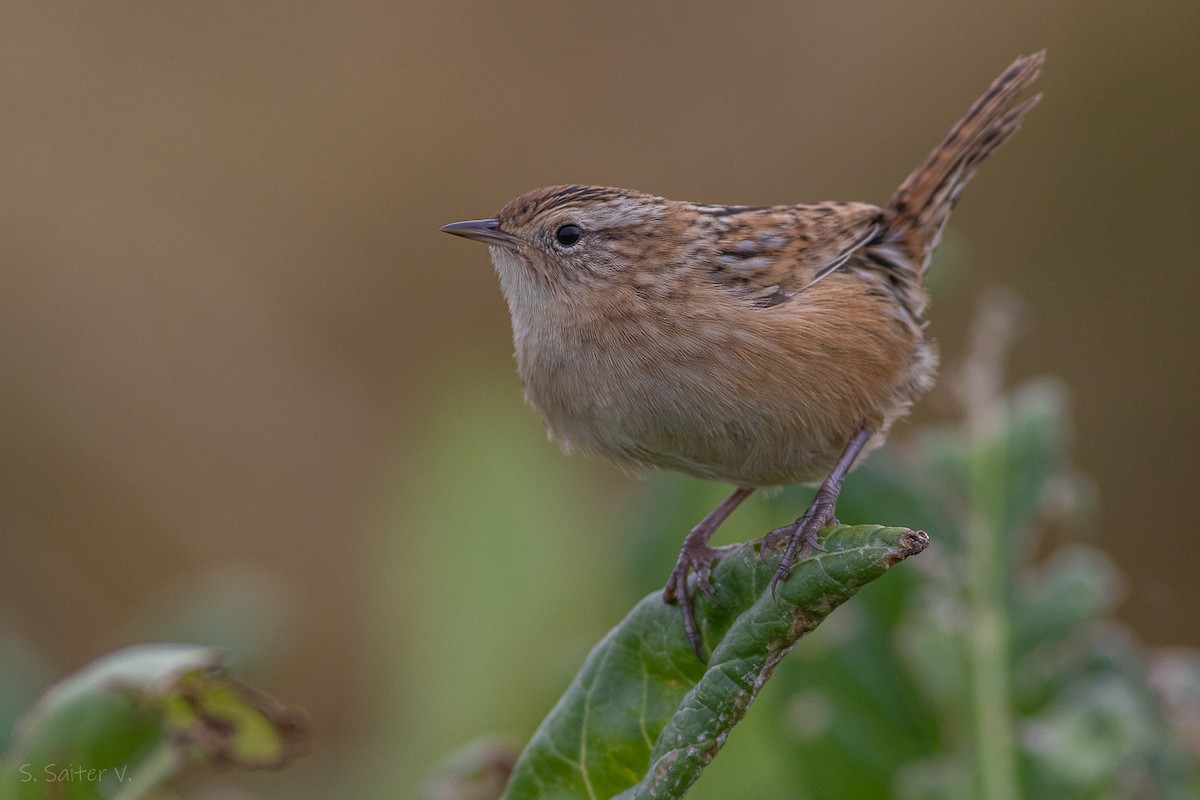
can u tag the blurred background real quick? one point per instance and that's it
(253, 397)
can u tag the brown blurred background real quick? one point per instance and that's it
(246, 382)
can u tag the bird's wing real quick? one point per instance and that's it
(768, 256)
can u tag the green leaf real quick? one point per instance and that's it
(643, 716)
(127, 724)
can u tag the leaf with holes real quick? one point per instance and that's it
(128, 724)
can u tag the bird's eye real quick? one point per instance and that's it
(568, 235)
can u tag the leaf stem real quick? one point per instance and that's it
(988, 634)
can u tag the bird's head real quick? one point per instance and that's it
(564, 242)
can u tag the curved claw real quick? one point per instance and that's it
(697, 555)
(699, 560)
(802, 536)
(677, 589)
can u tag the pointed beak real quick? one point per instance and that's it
(482, 230)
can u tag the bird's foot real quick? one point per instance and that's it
(698, 557)
(801, 535)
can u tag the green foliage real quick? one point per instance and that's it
(643, 710)
(131, 722)
(990, 668)
(930, 686)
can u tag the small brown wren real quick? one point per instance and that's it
(755, 345)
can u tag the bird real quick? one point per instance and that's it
(757, 346)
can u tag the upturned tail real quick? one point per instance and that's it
(916, 214)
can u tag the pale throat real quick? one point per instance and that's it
(527, 297)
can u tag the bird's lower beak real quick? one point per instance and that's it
(482, 230)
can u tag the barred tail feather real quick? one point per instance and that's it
(916, 214)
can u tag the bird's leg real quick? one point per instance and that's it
(802, 534)
(697, 555)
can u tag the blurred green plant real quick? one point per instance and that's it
(990, 669)
(129, 724)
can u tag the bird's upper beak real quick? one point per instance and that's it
(482, 230)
